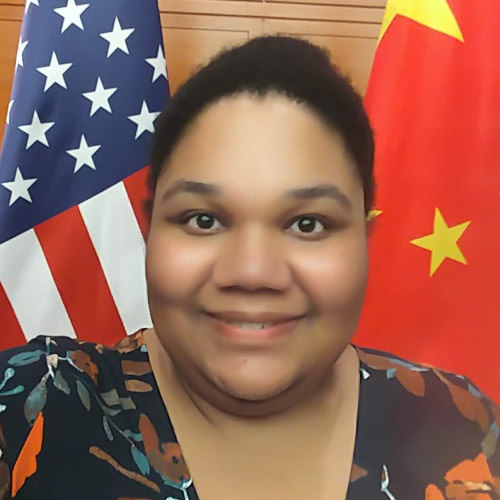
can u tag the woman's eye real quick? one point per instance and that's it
(306, 224)
(202, 220)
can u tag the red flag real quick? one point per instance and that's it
(434, 102)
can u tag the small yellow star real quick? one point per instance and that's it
(372, 214)
(435, 14)
(442, 242)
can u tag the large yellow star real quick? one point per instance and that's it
(442, 242)
(435, 14)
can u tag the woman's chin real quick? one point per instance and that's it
(253, 387)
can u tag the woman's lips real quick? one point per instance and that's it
(252, 335)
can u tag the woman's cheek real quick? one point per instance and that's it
(174, 269)
(336, 277)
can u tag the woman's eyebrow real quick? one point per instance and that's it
(305, 193)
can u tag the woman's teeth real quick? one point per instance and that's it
(250, 326)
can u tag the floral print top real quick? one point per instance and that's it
(83, 421)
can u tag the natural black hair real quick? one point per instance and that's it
(293, 67)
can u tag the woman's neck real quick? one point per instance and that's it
(319, 406)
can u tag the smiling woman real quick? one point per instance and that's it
(248, 386)
(258, 246)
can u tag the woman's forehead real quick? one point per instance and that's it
(272, 138)
(272, 114)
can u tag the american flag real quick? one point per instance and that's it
(90, 79)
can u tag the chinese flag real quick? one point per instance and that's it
(434, 101)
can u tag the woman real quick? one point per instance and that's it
(248, 386)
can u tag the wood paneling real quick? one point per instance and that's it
(191, 40)
(351, 46)
(335, 11)
(358, 3)
(9, 34)
(194, 30)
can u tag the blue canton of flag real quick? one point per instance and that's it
(90, 79)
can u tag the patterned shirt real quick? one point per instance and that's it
(83, 421)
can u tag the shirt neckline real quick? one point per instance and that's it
(190, 488)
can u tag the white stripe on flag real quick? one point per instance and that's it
(30, 288)
(119, 244)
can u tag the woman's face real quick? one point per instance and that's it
(245, 244)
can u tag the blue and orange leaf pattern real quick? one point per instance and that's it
(99, 409)
(26, 464)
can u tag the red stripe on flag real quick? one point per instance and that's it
(12, 334)
(79, 278)
(138, 193)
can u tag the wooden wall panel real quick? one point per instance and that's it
(357, 3)
(194, 30)
(351, 46)
(9, 34)
(334, 11)
(191, 40)
(197, 47)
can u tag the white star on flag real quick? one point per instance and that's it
(9, 108)
(28, 3)
(100, 97)
(71, 14)
(19, 55)
(117, 38)
(19, 187)
(83, 154)
(159, 64)
(54, 72)
(36, 131)
(144, 120)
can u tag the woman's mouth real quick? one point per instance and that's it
(252, 331)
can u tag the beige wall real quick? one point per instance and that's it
(194, 30)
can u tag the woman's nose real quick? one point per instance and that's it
(252, 259)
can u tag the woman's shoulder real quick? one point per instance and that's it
(425, 407)
(398, 377)
(47, 353)
(415, 377)
(52, 356)
(54, 375)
